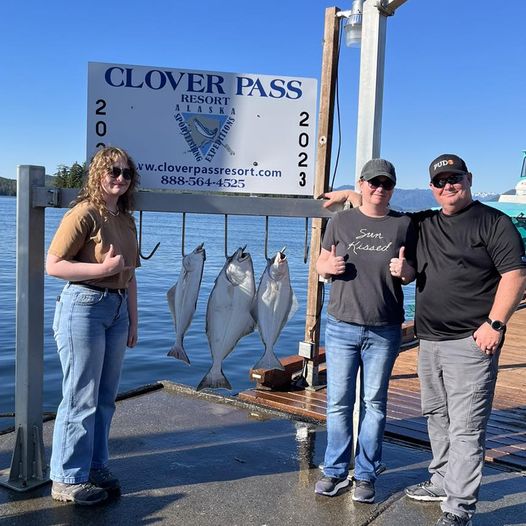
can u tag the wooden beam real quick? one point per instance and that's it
(323, 165)
(276, 379)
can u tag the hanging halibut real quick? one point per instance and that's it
(228, 316)
(275, 305)
(182, 298)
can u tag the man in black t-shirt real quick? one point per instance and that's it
(470, 278)
(471, 275)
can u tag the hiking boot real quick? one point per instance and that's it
(330, 486)
(363, 491)
(83, 494)
(104, 478)
(450, 519)
(426, 491)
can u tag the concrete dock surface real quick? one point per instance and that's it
(200, 460)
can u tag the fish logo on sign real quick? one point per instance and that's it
(204, 134)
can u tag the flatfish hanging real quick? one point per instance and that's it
(182, 298)
(275, 304)
(228, 314)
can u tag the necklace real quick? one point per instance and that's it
(114, 214)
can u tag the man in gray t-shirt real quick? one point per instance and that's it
(367, 251)
(366, 293)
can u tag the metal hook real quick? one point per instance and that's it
(140, 241)
(226, 235)
(306, 245)
(183, 229)
(266, 238)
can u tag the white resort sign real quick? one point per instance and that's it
(201, 130)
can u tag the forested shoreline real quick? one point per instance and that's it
(64, 177)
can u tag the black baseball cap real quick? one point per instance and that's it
(447, 163)
(376, 168)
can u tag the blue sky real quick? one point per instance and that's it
(454, 73)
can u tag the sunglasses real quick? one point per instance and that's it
(125, 172)
(452, 179)
(386, 184)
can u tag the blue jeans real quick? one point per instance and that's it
(373, 350)
(91, 331)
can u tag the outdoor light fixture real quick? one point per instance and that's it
(353, 24)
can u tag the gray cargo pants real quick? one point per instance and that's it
(457, 385)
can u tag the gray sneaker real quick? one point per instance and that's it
(363, 491)
(450, 519)
(83, 494)
(426, 491)
(330, 486)
(104, 478)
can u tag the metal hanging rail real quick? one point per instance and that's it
(202, 203)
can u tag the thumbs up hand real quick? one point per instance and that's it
(336, 264)
(400, 268)
(113, 263)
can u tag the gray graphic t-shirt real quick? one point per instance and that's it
(366, 293)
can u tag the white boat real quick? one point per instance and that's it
(517, 196)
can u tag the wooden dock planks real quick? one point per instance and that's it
(506, 433)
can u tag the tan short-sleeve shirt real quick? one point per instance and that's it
(85, 235)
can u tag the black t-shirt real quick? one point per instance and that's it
(366, 293)
(460, 259)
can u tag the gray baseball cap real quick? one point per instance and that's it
(376, 168)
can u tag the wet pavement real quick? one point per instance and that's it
(195, 459)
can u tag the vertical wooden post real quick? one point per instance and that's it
(321, 184)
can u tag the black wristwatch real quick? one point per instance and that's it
(496, 324)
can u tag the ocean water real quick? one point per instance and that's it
(147, 362)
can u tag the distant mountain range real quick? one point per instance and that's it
(419, 199)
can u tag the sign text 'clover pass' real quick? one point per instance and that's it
(201, 130)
